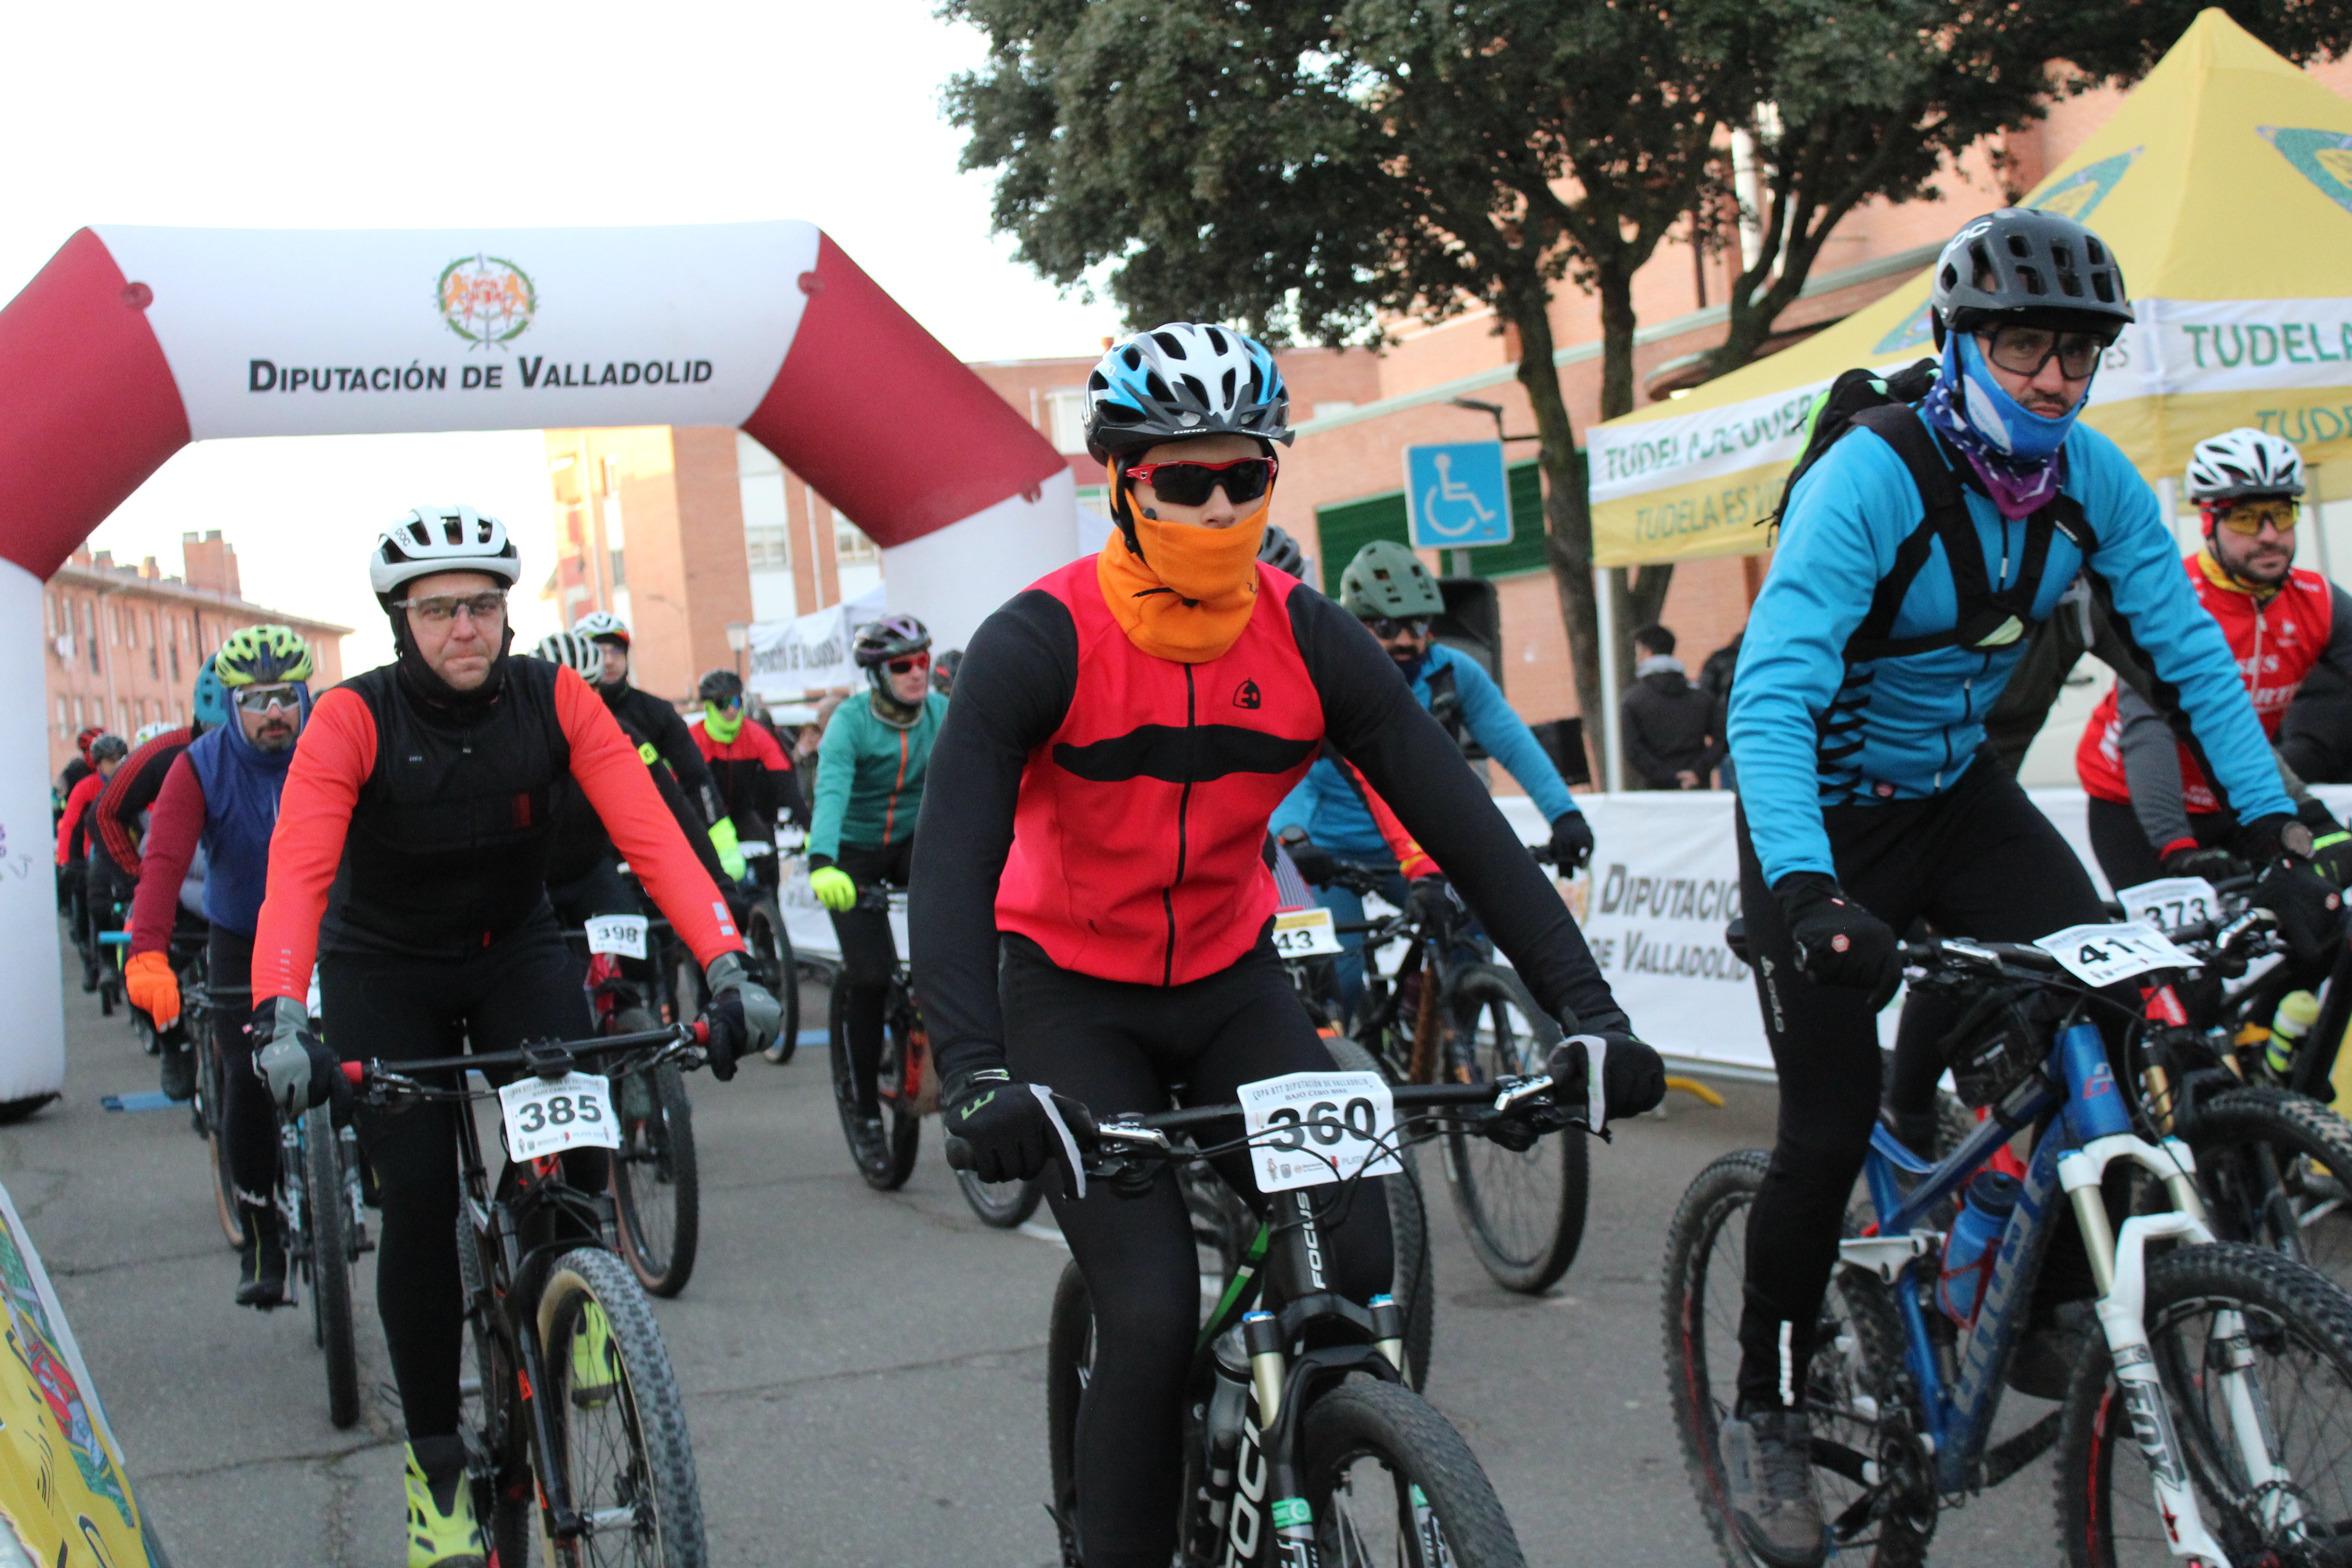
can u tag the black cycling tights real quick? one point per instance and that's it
(1120, 1047)
(249, 1122)
(525, 986)
(1979, 860)
(868, 955)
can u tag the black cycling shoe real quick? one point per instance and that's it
(179, 1073)
(89, 978)
(873, 1148)
(2043, 1364)
(261, 1272)
(1775, 1501)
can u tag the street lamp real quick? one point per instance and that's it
(1496, 409)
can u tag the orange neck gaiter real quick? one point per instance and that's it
(1190, 594)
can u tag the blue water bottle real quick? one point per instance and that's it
(1974, 1244)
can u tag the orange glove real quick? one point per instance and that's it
(153, 988)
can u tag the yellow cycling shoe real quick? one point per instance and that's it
(442, 1531)
(595, 1366)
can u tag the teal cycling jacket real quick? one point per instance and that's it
(869, 776)
(1919, 717)
(1326, 805)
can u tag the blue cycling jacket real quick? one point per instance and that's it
(1923, 715)
(1326, 807)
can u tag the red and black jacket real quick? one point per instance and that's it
(1112, 806)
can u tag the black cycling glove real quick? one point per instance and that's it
(1431, 899)
(1314, 862)
(1838, 941)
(1621, 1073)
(743, 1017)
(1006, 1134)
(2195, 859)
(1571, 841)
(2331, 846)
(2310, 909)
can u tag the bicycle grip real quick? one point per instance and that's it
(959, 1153)
(355, 1072)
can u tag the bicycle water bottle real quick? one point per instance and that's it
(2298, 1010)
(1973, 1244)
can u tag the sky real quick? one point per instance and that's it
(368, 116)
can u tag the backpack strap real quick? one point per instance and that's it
(1446, 702)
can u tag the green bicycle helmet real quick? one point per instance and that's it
(1386, 578)
(262, 656)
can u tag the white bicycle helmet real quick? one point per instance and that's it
(442, 539)
(2245, 462)
(575, 650)
(601, 624)
(1181, 380)
(147, 733)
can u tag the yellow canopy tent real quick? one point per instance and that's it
(2224, 186)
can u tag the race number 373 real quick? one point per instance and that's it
(1311, 1128)
(546, 1116)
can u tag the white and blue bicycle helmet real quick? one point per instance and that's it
(1181, 380)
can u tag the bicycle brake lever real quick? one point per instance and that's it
(1526, 1089)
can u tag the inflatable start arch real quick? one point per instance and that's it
(132, 342)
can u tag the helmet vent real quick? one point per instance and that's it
(1231, 378)
(2094, 250)
(1217, 340)
(1157, 389)
(1192, 385)
(2031, 277)
(1170, 344)
(2018, 246)
(2103, 287)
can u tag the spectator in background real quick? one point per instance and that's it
(943, 671)
(2316, 736)
(1674, 730)
(1715, 680)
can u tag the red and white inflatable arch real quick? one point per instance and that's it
(133, 342)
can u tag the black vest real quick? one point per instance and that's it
(448, 844)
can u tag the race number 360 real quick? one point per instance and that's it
(1311, 1128)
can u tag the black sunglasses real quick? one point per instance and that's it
(1389, 629)
(1190, 484)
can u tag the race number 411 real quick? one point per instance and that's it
(1311, 1128)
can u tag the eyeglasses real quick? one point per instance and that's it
(729, 706)
(442, 609)
(262, 699)
(1388, 630)
(2023, 351)
(908, 666)
(2247, 517)
(1190, 484)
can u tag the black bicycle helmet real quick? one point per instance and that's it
(892, 637)
(107, 747)
(1281, 551)
(2020, 262)
(722, 685)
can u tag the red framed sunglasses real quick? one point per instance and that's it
(912, 662)
(1190, 484)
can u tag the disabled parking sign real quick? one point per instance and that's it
(1456, 495)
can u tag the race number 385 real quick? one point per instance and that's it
(546, 1116)
(1310, 1128)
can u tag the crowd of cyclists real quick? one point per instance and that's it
(385, 871)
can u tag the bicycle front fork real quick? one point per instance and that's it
(2118, 1266)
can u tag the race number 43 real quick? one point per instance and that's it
(1305, 933)
(2101, 954)
(547, 1116)
(1311, 1128)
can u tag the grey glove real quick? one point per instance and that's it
(743, 1015)
(292, 1058)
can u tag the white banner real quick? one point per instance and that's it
(276, 333)
(812, 653)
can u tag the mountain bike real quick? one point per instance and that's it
(1304, 1443)
(208, 1107)
(2206, 1418)
(575, 1432)
(1437, 1018)
(657, 1177)
(906, 1087)
(325, 1226)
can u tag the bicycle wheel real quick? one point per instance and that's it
(1389, 1482)
(620, 1425)
(1069, 1366)
(1414, 1283)
(2276, 1170)
(1523, 1213)
(1855, 1369)
(505, 1500)
(774, 965)
(657, 1183)
(901, 1127)
(327, 1230)
(1003, 1205)
(212, 1087)
(2295, 1341)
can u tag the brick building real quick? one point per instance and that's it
(126, 642)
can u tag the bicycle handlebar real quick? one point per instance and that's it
(551, 1058)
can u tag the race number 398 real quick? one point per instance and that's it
(1311, 1128)
(546, 1116)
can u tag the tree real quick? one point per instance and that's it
(1306, 168)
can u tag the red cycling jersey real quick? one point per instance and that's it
(2275, 641)
(77, 804)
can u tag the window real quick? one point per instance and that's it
(90, 634)
(81, 715)
(767, 528)
(154, 660)
(1065, 408)
(114, 625)
(850, 545)
(65, 730)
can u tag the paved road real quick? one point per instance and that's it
(864, 1374)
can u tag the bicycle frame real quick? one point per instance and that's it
(2093, 1132)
